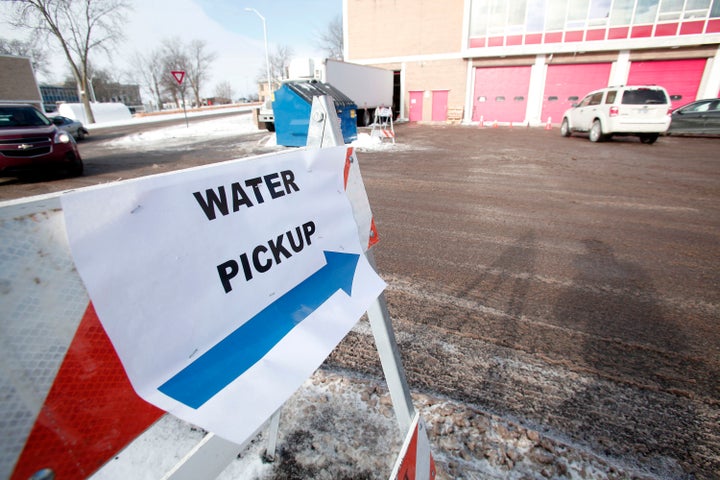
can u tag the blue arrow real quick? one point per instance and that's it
(233, 355)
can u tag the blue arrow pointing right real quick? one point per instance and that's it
(232, 356)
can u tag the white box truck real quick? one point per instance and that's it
(368, 87)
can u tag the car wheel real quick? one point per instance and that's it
(565, 128)
(81, 134)
(649, 138)
(596, 134)
(75, 165)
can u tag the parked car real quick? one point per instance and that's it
(29, 140)
(641, 110)
(73, 127)
(700, 118)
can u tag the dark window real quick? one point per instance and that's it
(675, 97)
(611, 96)
(644, 96)
(572, 98)
(553, 98)
(500, 99)
(519, 98)
(596, 98)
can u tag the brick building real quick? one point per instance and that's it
(17, 81)
(526, 61)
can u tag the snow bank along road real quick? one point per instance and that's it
(569, 288)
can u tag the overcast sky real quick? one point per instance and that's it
(233, 34)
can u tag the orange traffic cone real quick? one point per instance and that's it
(495, 124)
(548, 125)
(482, 121)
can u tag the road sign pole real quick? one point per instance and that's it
(182, 94)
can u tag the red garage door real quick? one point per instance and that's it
(568, 84)
(501, 93)
(681, 78)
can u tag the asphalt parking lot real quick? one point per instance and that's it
(571, 286)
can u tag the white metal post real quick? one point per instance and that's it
(324, 131)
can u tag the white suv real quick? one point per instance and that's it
(626, 110)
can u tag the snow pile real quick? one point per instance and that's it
(196, 130)
(103, 112)
(182, 135)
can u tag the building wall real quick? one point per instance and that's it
(390, 28)
(17, 81)
(443, 45)
(434, 75)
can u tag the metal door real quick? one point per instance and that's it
(416, 106)
(439, 105)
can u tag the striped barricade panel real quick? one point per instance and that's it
(67, 404)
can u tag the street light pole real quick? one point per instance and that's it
(267, 54)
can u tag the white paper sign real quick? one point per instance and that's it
(224, 287)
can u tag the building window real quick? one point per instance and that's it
(536, 16)
(599, 13)
(715, 10)
(576, 15)
(645, 11)
(555, 14)
(670, 10)
(621, 13)
(504, 18)
(696, 9)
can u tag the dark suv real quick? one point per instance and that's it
(29, 140)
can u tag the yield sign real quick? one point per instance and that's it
(179, 76)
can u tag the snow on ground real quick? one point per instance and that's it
(200, 130)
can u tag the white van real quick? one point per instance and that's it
(642, 110)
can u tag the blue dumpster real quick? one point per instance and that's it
(292, 105)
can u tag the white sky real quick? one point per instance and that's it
(233, 34)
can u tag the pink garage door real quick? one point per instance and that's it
(568, 84)
(501, 93)
(681, 78)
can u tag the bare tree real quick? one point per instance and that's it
(150, 68)
(174, 58)
(30, 49)
(224, 90)
(198, 64)
(79, 26)
(279, 62)
(332, 39)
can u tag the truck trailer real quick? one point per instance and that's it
(368, 87)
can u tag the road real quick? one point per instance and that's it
(570, 286)
(103, 163)
(573, 285)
